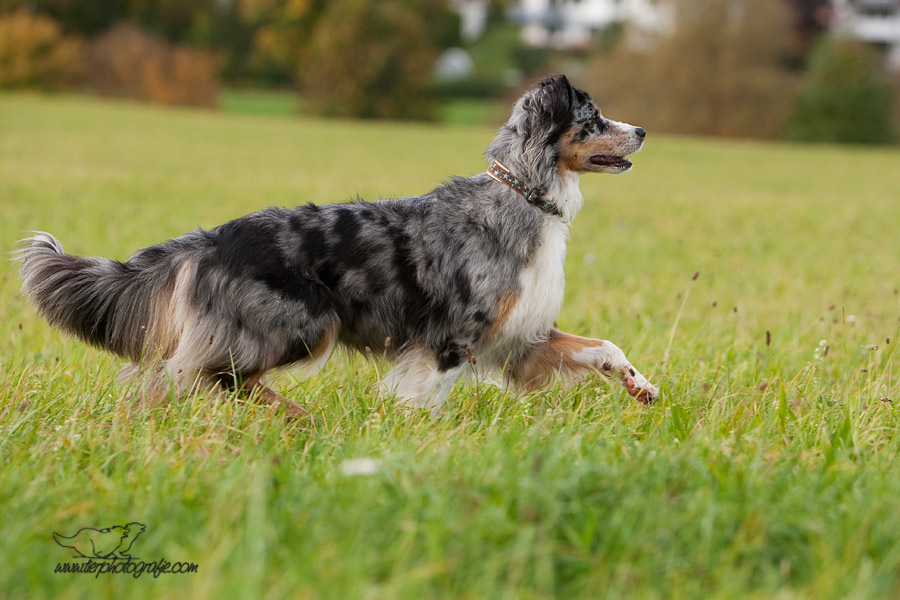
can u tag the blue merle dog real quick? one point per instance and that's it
(471, 272)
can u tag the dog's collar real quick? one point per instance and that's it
(533, 196)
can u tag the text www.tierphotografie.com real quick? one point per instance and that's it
(135, 568)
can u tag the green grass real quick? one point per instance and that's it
(767, 470)
(472, 112)
(259, 102)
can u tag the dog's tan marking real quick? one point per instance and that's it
(574, 358)
(319, 355)
(174, 311)
(505, 305)
(555, 356)
(325, 346)
(572, 156)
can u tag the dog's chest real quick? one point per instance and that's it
(542, 282)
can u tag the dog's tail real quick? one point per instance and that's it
(58, 538)
(117, 306)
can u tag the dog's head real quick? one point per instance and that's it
(556, 126)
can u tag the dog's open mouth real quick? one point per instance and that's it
(612, 162)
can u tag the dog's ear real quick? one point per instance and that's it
(559, 83)
(549, 108)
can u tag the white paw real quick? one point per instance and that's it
(638, 386)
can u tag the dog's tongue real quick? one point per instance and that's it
(605, 160)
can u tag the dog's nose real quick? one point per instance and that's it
(640, 132)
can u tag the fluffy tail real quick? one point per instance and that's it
(109, 304)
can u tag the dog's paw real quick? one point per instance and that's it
(292, 410)
(638, 386)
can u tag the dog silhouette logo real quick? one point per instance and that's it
(110, 542)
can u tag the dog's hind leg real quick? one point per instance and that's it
(575, 358)
(240, 362)
(256, 389)
(423, 379)
(316, 359)
(154, 384)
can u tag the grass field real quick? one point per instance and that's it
(769, 469)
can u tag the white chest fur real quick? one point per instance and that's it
(542, 283)
(567, 195)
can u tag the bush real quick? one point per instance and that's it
(128, 62)
(369, 59)
(34, 53)
(846, 97)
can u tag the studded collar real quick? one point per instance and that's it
(533, 196)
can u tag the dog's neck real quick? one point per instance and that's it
(560, 188)
(560, 196)
(532, 195)
(564, 192)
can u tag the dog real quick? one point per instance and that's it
(469, 273)
(109, 542)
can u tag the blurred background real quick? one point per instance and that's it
(810, 70)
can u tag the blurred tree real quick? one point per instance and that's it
(34, 53)
(172, 19)
(442, 25)
(227, 30)
(283, 30)
(719, 72)
(810, 19)
(74, 16)
(370, 59)
(846, 97)
(281, 33)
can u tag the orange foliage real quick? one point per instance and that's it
(34, 52)
(128, 62)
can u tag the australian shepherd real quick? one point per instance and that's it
(470, 273)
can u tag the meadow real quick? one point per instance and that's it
(770, 468)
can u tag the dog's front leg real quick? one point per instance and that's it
(423, 380)
(574, 358)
